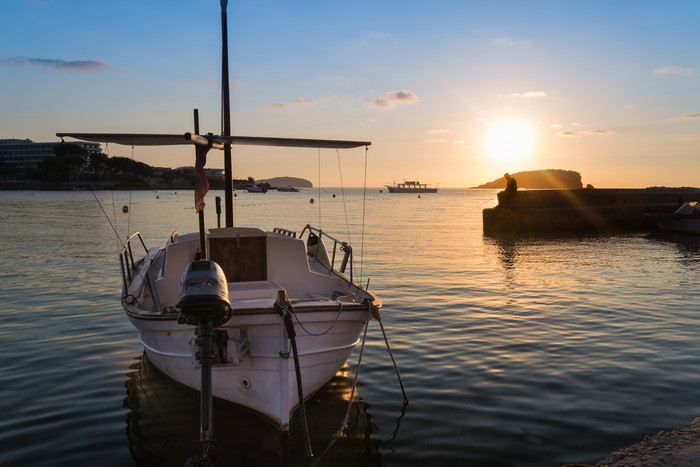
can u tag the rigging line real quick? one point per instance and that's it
(364, 204)
(342, 192)
(107, 217)
(319, 187)
(128, 222)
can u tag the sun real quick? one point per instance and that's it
(510, 141)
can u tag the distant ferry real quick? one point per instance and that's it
(411, 187)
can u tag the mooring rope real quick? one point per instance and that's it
(341, 431)
(286, 312)
(378, 317)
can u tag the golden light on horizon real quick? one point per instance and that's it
(510, 141)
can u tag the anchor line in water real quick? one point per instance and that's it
(343, 427)
(378, 317)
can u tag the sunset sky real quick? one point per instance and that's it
(453, 93)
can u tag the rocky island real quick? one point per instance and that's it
(541, 179)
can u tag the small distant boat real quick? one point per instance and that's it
(410, 186)
(685, 220)
(287, 189)
(255, 189)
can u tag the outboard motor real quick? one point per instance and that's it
(204, 303)
(204, 294)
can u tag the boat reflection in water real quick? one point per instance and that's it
(163, 425)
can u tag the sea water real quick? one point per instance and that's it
(516, 351)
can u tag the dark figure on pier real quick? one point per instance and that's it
(505, 196)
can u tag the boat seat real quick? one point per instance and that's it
(254, 290)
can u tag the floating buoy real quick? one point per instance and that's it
(380, 191)
(311, 201)
(235, 195)
(125, 209)
(419, 196)
(334, 195)
(157, 196)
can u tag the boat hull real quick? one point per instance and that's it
(256, 367)
(679, 223)
(264, 379)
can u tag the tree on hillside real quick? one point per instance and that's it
(125, 165)
(64, 165)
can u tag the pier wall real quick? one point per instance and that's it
(530, 211)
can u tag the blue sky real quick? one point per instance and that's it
(449, 92)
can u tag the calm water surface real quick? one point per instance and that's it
(523, 351)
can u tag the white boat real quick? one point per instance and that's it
(289, 189)
(294, 312)
(255, 367)
(255, 189)
(410, 186)
(685, 220)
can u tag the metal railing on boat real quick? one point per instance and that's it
(344, 247)
(126, 259)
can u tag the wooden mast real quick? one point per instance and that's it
(226, 117)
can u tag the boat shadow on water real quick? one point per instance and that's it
(163, 426)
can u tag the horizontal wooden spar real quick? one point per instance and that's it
(135, 139)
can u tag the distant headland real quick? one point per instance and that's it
(541, 179)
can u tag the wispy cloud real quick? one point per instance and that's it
(391, 98)
(525, 95)
(686, 117)
(691, 138)
(437, 132)
(578, 134)
(289, 105)
(435, 140)
(673, 70)
(304, 102)
(83, 66)
(509, 42)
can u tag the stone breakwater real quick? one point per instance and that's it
(531, 211)
(678, 448)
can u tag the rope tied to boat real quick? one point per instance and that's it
(285, 309)
(375, 313)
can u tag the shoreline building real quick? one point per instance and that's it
(22, 155)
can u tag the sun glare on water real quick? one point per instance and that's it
(510, 141)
